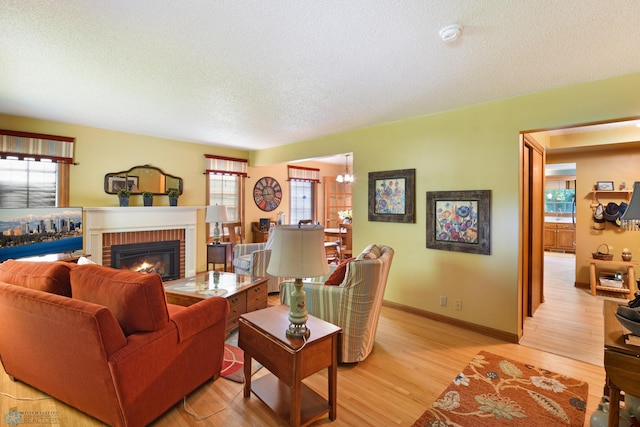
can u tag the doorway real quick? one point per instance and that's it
(577, 142)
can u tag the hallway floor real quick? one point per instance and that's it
(570, 321)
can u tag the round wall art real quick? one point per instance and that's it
(267, 193)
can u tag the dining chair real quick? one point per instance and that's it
(232, 232)
(346, 250)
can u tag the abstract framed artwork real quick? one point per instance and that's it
(392, 196)
(459, 221)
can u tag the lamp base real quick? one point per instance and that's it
(298, 331)
(298, 312)
(216, 234)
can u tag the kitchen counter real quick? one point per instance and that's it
(558, 219)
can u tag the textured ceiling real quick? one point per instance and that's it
(254, 74)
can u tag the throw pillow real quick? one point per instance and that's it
(137, 300)
(337, 276)
(52, 277)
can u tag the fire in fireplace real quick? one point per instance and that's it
(149, 257)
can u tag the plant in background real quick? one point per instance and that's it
(173, 197)
(346, 215)
(147, 198)
(123, 193)
(123, 196)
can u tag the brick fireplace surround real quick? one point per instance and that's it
(104, 227)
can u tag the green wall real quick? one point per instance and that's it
(465, 149)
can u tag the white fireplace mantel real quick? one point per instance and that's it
(99, 221)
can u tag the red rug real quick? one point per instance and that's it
(495, 391)
(233, 364)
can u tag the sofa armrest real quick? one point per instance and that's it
(247, 248)
(199, 316)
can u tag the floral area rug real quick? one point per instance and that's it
(495, 391)
(233, 361)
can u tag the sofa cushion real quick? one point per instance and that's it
(52, 277)
(242, 262)
(137, 300)
(337, 277)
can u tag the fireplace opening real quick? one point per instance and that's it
(150, 257)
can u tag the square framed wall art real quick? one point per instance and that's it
(459, 221)
(392, 196)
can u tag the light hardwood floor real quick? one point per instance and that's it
(570, 322)
(414, 359)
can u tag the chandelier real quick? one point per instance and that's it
(345, 177)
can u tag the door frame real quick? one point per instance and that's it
(531, 256)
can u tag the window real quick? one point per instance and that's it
(559, 195)
(34, 169)
(28, 184)
(225, 185)
(302, 201)
(223, 190)
(302, 186)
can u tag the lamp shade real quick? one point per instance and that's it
(298, 252)
(216, 213)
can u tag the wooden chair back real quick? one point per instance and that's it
(305, 221)
(232, 232)
(346, 250)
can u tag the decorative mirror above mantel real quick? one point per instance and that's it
(143, 178)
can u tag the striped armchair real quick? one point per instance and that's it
(253, 259)
(354, 305)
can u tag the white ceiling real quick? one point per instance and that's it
(254, 74)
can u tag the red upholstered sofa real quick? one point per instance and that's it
(105, 341)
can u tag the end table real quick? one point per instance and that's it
(219, 253)
(262, 336)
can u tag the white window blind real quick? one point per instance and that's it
(27, 184)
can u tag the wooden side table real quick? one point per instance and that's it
(262, 336)
(621, 362)
(219, 253)
(629, 265)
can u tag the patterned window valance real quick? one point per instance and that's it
(37, 146)
(298, 173)
(225, 165)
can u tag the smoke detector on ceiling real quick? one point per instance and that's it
(450, 33)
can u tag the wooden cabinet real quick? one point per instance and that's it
(259, 236)
(559, 237)
(338, 197)
(252, 299)
(219, 253)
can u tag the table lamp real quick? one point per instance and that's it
(297, 251)
(216, 214)
(630, 219)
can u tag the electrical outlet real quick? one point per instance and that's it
(457, 304)
(443, 301)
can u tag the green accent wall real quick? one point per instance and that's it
(471, 148)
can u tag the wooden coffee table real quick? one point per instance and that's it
(244, 293)
(262, 336)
